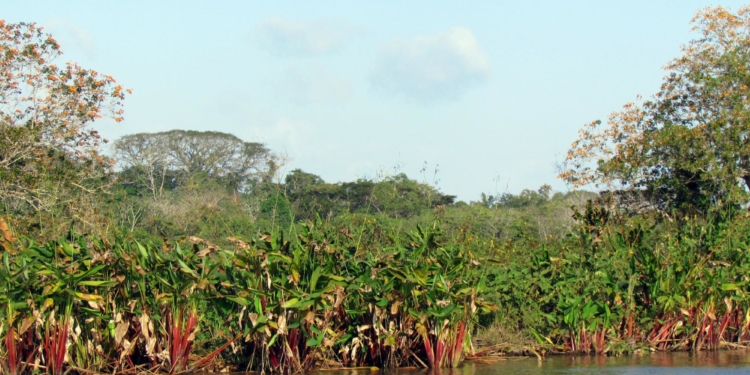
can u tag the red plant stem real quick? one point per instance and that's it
(698, 344)
(656, 329)
(62, 338)
(293, 342)
(723, 326)
(630, 325)
(10, 346)
(428, 350)
(186, 342)
(458, 345)
(185, 334)
(572, 343)
(174, 328)
(585, 343)
(54, 347)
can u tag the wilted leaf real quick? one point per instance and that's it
(121, 330)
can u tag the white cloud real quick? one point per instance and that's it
(312, 83)
(285, 136)
(71, 35)
(434, 67)
(286, 38)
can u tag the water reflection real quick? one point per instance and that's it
(704, 363)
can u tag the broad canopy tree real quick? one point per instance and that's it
(159, 158)
(688, 148)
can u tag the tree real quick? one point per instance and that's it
(311, 196)
(277, 210)
(394, 196)
(688, 148)
(146, 161)
(221, 156)
(46, 145)
(399, 196)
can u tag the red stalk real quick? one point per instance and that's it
(54, 347)
(700, 339)
(428, 349)
(458, 345)
(186, 342)
(293, 342)
(61, 336)
(600, 341)
(175, 327)
(630, 325)
(723, 326)
(572, 344)
(181, 344)
(10, 346)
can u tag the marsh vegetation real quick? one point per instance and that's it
(187, 250)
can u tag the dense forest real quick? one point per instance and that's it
(191, 250)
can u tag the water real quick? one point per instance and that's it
(704, 363)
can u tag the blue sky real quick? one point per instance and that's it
(491, 93)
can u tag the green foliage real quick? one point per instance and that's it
(298, 301)
(389, 272)
(641, 281)
(396, 196)
(277, 210)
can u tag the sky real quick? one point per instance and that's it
(472, 97)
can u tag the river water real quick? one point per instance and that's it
(704, 363)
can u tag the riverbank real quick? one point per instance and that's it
(273, 303)
(361, 295)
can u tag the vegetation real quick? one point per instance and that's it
(197, 256)
(48, 156)
(687, 148)
(281, 304)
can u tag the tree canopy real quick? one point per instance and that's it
(46, 145)
(395, 196)
(688, 147)
(161, 156)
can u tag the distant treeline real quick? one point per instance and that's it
(212, 184)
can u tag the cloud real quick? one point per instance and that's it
(286, 38)
(312, 84)
(433, 67)
(71, 35)
(282, 135)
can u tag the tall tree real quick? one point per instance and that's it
(219, 155)
(146, 160)
(311, 196)
(688, 148)
(46, 145)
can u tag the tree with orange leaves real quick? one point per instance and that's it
(688, 148)
(46, 144)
